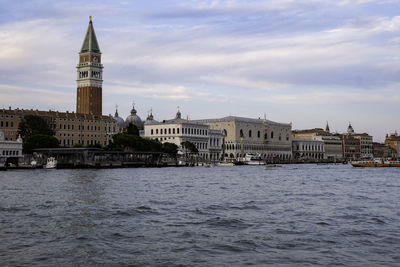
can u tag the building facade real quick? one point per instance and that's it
(366, 148)
(10, 150)
(178, 130)
(89, 76)
(333, 149)
(70, 128)
(308, 149)
(258, 136)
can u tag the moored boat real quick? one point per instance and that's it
(51, 163)
(252, 159)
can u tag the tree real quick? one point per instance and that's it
(170, 148)
(32, 125)
(132, 129)
(190, 146)
(124, 142)
(39, 141)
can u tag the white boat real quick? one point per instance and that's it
(224, 164)
(252, 159)
(51, 163)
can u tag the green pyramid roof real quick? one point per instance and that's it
(90, 43)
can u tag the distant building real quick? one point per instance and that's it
(392, 141)
(383, 151)
(259, 136)
(178, 130)
(333, 148)
(10, 151)
(70, 128)
(366, 148)
(351, 147)
(308, 149)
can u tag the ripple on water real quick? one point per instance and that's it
(296, 215)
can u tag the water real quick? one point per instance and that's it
(296, 215)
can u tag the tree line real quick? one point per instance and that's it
(36, 133)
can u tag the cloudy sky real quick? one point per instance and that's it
(299, 61)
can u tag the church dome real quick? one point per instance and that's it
(134, 119)
(120, 121)
(150, 119)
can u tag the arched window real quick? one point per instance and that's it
(258, 134)
(249, 133)
(151, 132)
(265, 136)
(280, 137)
(225, 132)
(241, 133)
(287, 137)
(272, 135)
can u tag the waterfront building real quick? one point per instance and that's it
(70, 128)
(351, 147)
(366, 148)
(10, 150)
(333, 149)
(178, 130)
(258, 136)
(393, 141)
(89, 76)
(308, 149)
(383, 151)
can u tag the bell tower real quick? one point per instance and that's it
(90, 75)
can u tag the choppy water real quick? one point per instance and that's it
(296, 215)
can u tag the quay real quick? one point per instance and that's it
(68, 158)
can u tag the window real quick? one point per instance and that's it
(6, 123)
(173, 131)
(249, 133)
(12, 124)
(258, 134)
(1, 124)
(156, 131)
(272, 135)
(151, 132)
(177, 130)
(241, 133)
(169, 131)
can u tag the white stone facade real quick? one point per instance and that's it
(177, 131)
(308, 149)
(333, 149)
(10, 149)
(245, 135)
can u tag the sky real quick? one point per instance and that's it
(300, 61)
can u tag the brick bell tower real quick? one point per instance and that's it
(90, 75)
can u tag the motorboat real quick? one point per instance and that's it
(51, 163)
(253, 159)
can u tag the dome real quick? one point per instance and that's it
(134, 119)
(120, 121)
(150, 119)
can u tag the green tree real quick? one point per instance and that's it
(170, 148)
(39, 141)
(190, 147)
(32, 125)
(132, 129)
(124, 142)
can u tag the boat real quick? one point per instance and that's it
(51, 163)
(253, 159)
(224, 164)
(376, 163)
